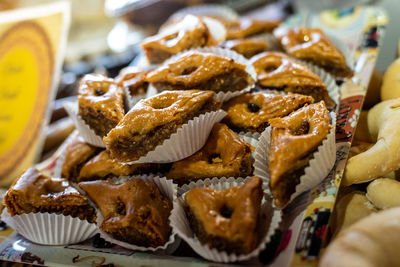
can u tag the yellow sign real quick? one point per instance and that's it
(32, 44)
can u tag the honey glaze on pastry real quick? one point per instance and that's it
(293, 140)
(311, 44)
(35, 192)
(225, 154)
(206, 71)
(154, 119)
(246, 27)
(134, 79)
(189, 33)
(134, 212)
(251, 112)
(247, 47)
(100, 102)
(226, 219)
(277, 71)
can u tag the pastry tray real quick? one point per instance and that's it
(305, 222)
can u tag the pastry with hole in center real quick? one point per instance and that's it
(246, 27)
(100, 102)
(277, 71)
(134, 212)
(226, 219)
(294, 139)
(154, 119)
(250, 112)
(247, 47)
(225, 154)
(207, 71)
(312, 45)
(189, 33)
(35, 192)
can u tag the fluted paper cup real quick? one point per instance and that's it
(269, 220)
(190, 138)
(318, 168)
(169, 190)
(84, 130)
(50, 228)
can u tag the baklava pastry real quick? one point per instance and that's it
(247, 47)
(134, 79)
(246, 27)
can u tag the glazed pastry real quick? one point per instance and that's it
(293, 140)
(226, 219)
(207, 71)
(134, 212)
(100, 103)
(251, 112)
(103, 166)
(154, 119)
(311, 44)
(191, 32)
(246, 27)
(247, 47)
(77, 153)
(279, 72)
(134, 79)
(225, 154)
(35, 192)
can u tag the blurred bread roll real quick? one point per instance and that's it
(383, 156)
(362, 132)
(384, 193)
(391, 81)
(370, 242)
(373, 95)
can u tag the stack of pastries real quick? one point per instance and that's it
(286, 96)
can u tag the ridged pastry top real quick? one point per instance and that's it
(101, 93)
(246, 27)
(38, 189)
(295, 136)
(193, 68)
(277, 70)
(246, 47)
(222, 155)
(160, 109)
(134, 78)
(243, 202)
(253, 110)
(190, 32)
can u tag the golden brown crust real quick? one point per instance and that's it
(35, 192)
(200, 70)
(100, 102)
(225, 154)
(229, 215)
(246, 27)
(251, 112)
(134, 211)
(278, 71)
(293, 138)
(247, 47)
(134, 79)
(190, 32)
(311, 44)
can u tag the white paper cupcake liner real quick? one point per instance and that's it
(84, 130)
(190, 138)
(318, 168)
(249, 136)
(213, 10)
(132, 100)
(269, 222)
(50, 228)
(216, 28)
(168, 189)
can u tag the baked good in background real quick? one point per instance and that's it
(250, 112)
(278, 71)
(100, 102)
(391, 82)
(370, 242)
(312, 45)
(225, 154)
(383, 156)
(134, 212)
(384, 193)
(247, 27)
(35, 192)
(134, 79)
(206, 71)
(247, 47)
(294, 139)
(226, 219)
(154, 119)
